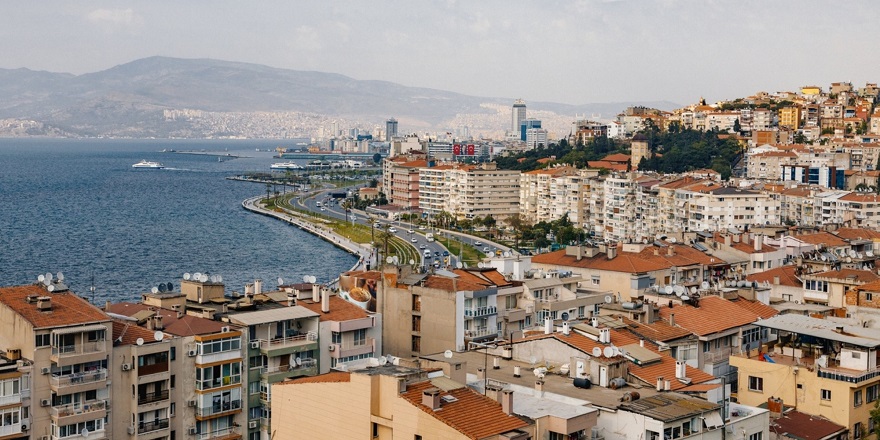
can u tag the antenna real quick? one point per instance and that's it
(60, 276)
(139, 341)
(169, 286)
(459, 265)
(161, 287)
(154, 290)
(158, 336)
(187, 276)
(50, 287)
(597, 352)
(447, 354)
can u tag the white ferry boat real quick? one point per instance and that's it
(286, 166)
(148, 164)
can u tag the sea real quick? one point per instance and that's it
(79, 208)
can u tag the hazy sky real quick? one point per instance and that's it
(563, 51)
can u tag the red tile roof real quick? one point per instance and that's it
(862, 276)
(631, 262)
(657, 331)
(451, 285)
(757, 307)
(331, 377)
(340, 309)
(785, 273)
(472, 414)
(186, 325)
(127, 333)
(856, 233)
(715, 314)
(67, 308)
(617, 157)
(795, 424)
(821, 238)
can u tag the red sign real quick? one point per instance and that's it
(456, 149)
(470, 150)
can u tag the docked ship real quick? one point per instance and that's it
(286, 166)
(148, 164)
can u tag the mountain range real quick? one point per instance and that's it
(131, 100)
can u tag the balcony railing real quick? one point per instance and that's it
(153, 425)
(78, 378)
(350, 344)
(152, 397)
(232, 405)
(480, 332)
(220, 433)
(78, 349)
(161, 367)
(847, 375)
(73, 409)
(304, 363)
(269, 344)
(480, 311)
(720, 355)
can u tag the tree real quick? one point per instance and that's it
(385, 236)
(737, 127)
(799, 138)
(377, 158)
(875, 416)
(489, 222)
(381, 199)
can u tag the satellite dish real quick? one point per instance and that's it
(685, 298)
(41, 277)
(615, 350)
(280, 281)
(389, 260)
(447, 354)
(84, 432)
(694, 289)
(382, 360)
(197, 276)
(396, 260)
(824, 258)
(667, 290)
(458, 265)
(161, 287)
(187, 276)
(305, 278)
(678, 290)
(60, 276)
(507, 254)
(158, 335)
(139, 341)
(169, 286)
(608, 352)
(704, 285)
(204, 278)
(49, 276)
(672, 240)
(312, 279)
(608, 299)
(298, 361)
(480, 265)
(411, 261)
(50, 287)
(597, 352)
(154, 290)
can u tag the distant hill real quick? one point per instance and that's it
(129, 99)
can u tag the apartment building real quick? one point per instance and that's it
(65, 338)
(828, 369)
(768, 165)
(790, 117)
(16, 375)
(711, 207)
(400, 180)
(539, 197)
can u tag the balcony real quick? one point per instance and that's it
(220, 434)
(480, 333)
(350, 348)
(154, 425)
(157, 396)
(144, 370)
(10, 429)
(289, 344)
(78, 382)
(308, 367)
(513, 315)
(78, 353)
(10, 399)
(475, 312)
(220, 409)
(78, 412)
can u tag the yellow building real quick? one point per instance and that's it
(821, 367)
(790, 117)
(811, 90)
(391, 401)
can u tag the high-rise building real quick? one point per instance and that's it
(390, 129)
(525, 125)
(518, 114)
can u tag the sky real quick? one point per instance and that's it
(574, 52)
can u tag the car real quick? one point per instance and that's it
(322, 209)
(421, 246)
(478, 243)
(411, 231)
(436, 253)
(392, 230)
(445, 253)
(486, 250)
(414, 240)
(422, 227)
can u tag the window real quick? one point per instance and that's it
(172, 408)
(857, 398)
(869, 296)
(417, 437)
(335, 338)
(42, 340)
(826, 394)
(756, 436)
(360, 336)
(595, 280)
(871, 392)
(857, 430)
(173, 353)
(756, 384)
(375, 429)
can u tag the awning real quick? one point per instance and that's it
(81, 329)
(713, 420)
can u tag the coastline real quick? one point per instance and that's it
(363, 252)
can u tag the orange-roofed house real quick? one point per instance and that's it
(723, 328)
(61, 335)
(782, 283)
(830, 288)
(390, 401)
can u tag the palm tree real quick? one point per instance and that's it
(385, 236)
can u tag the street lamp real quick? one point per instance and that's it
(486, 346)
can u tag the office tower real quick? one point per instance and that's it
(518, 114)
(390, 129)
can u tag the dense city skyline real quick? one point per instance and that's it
(585, 52)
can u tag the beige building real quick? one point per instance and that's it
(392, 402)
(540, 193)
(67, 340)
(834, 375)
(468, 191)
(16, 375)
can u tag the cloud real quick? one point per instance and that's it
(112, 16)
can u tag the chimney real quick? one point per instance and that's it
(680, 370)
(157, 322)
(736, 238)
(248, 289)
(106, 305)
(291, 300)
(776, 280)
(496, 363)
(776, 407)
(431, 398)
(727, 239)
(745, 237)
(539, 388)
(656, 251)
(667, 385)
(580, 253)
(650, 313)
(507, 402)
(316, 293)
(670, 251)
(258, 286)
(566, 328)
(605, 335)
(759, 242)
(325, 300)
(548, 326)
(516, 371)
(612, 252)
(659, 383)
(44, 303)
(641, 342)
(672, 319)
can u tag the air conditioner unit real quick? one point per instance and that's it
(126, 367)
(192, 353)
(255, 344)
(45, 437)
(131, 430)
(191, 403)
(331, 348)
(252, 424)
(45, 402)
(224, 329)
(24, 427)
(192, 430)
(46, 370)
